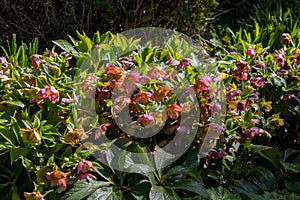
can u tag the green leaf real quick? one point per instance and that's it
(16, 153)
(291, 167)
(292, 183)
(189, 185)
(82, 189)
(13, 103)
(276, 195)
(186, 170)
(221, 193)
(106, 193)
(66, 46)
(246, 188)
(143, 169)
(263, 178)
(160, 193)
(14, 192)
(269, 153)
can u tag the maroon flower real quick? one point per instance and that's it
(173, 111)
(185, 62)
(260, 65)
(127, 61)
(297, 58)
(130, 81)
(241, 106)
(145, 120)
(285, 38)
(143, 97)
(251, 132)
(279, 58)
(258, 81)
(231, 94)
(250, 52)
(58, 178)
(35, 60)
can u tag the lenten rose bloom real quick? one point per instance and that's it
(49, 92)
(285, 38)
(279, 59)
(162, 93)
(156, 73)
(101, 130)
(113, 71)
(258, 81)
(250, 52)
(145, 120)
(185, 62)
(33, 195)
(85, 166)
(143, 97)
(58, 178)
(173, 111)
(251, 132)
(297, 58)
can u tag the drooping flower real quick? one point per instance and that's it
(251, 132)
(279, 58)
(173, 111)
(130, 81)
(33, 195)
(232, 94)
(161, 93)
(85, 166)
(156, 73)
(143, 97)
(296, 57)
(3, 62)
(144, 120)
(241, 73)
(260, 65)
(35, 60)
(185, 62)
(241, 105)
(113, 71)
(75, 136)
(285, 38)
(101, 130)
(58, 178)
(258, 81)
(173, 63)
(126, 61)
(250, 52)
(49, 92)
(30, 136)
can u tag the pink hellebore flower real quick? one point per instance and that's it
(4, 62)
(279, 59)
(156, 73)
(143, 97)
(33, 195)
(285, 38)
(144, 120)
(258, 81)
(297, 58)
(250, 52)
(251, 132)
(58, 178)
(83, 168)
(173, 111)
(35, 60)
(51, 93)
(101, 130)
